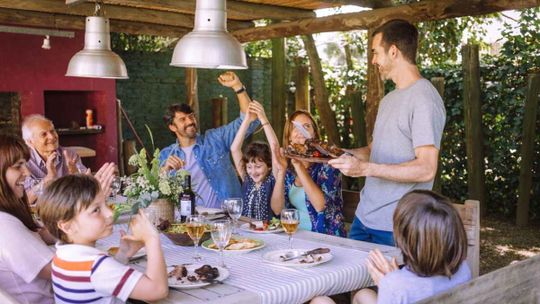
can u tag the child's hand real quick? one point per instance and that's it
(229, 79)
(127, 247)
(256, 108)
(141, 228)
(279, 162)
(105, 176)
(379, 266)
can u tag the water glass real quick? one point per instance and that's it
(221, 234)
(290, 219)
(233, 206)
(195, 225)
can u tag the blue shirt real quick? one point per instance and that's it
(213, 154)
(297, 197)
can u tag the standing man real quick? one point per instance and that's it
(207, 157)
(406, 138)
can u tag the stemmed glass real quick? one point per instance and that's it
(290, 220)
(221, 234)
(195, 229)
(233, 206)
(116, 184)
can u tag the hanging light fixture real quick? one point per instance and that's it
(97, 60)
(46, 43)
(209, 45)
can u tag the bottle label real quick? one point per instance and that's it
(185, 207)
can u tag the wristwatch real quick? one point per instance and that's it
(241, 90)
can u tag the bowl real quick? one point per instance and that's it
(177, 234)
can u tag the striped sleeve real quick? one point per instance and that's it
(113, 278)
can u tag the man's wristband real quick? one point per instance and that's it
(241, 90)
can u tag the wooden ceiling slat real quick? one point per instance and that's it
(61, 21)
(320, 4)
(236, 10)
(416, 12)
(114, 12)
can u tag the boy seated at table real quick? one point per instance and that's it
(73, 209)
(433, 241)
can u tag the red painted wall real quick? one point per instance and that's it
(28, 69)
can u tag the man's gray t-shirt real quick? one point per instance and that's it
(407, 118)
(404, 286)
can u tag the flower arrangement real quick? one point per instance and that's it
(149, 184)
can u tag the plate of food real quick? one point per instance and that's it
(236, 245)
(314, 151)
(272, 226)
(195, 276)
(298, 257)
(113, 250)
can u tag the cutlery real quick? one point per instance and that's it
(289, 257)
(315, 144)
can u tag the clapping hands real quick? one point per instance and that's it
(379, 266)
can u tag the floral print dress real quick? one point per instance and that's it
(256, 201)
(330, 220)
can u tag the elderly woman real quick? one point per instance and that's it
(25, 259)
(314, 189)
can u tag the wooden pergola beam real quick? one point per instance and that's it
(113, 12)
(60, 21)
(416, 12)
(236, 10)
(361, 3)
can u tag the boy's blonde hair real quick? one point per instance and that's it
(63, 199)
(430, 234)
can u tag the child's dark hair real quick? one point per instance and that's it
(64, 198)
(258, 151)
(430, 234)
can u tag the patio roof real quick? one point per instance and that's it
(175, 18)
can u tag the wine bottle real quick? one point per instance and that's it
(187, 200)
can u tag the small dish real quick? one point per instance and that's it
(275, 257)
(184, 283)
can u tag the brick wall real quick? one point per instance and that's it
(153, 84)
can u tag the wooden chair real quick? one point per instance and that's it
(470, 215)
(517, 283)
(6, 298)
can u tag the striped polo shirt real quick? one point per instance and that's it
(83, 274)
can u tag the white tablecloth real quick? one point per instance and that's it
(252, 280)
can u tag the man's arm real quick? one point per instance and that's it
(421, 169)
(231, 80)
(361, 153)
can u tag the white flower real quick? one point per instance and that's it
(164, 187)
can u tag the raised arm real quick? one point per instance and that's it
(279, 167)
(231, 80)
(256, 108)
(236, 146)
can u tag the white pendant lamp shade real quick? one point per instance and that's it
(209, 45)
(97, 60)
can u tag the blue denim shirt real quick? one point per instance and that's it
(213, 154)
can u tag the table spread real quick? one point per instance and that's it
(252, 280)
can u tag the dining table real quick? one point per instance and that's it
(254, 280)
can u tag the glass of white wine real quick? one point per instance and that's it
(233, 206)
(195, 226)
(290, 220)
(221, 234)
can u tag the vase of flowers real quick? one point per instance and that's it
(151, 189)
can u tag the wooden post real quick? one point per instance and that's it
(192, 97)
(438, 83)
(119, 138)
(474, 138)
(219, 112)
(359, 126)
(278, 86)
(527, 149)
(302, 87)
(375, 91)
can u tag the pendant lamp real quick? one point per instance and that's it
(97, 60)
(209, 45)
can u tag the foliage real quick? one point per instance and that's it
(144, 43)
(149, 184)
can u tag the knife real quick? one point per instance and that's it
(306, 134)
(314, 251)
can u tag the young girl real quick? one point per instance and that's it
(255, 165)
(432, 239)
(313, 189)
(73, 208)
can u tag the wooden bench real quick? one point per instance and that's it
(518, 283)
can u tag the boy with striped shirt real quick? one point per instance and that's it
(73, 209)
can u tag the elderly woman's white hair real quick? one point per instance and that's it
(28, 122)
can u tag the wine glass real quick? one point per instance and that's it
(195, 225)
(116, 184)
(221, 234)
(233, 206)
(290, 220)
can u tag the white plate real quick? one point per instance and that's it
(206, 243)
(274, 257)
(139, 254)
(185, 284)
(245, 227)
